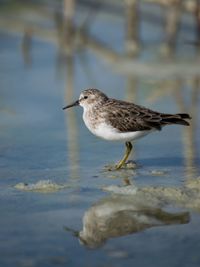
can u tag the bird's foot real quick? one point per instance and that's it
(132, 165)
(129, 165)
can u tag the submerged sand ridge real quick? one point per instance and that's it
(187, 196)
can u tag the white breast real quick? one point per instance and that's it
(107, 132)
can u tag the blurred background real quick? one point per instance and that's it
(147, 52)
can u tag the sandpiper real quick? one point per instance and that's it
(118, 120)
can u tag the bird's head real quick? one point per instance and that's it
(89, 98)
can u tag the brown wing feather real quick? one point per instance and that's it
(128, 117)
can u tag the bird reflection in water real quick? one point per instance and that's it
(116, 216)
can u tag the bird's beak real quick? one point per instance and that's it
(76, 103)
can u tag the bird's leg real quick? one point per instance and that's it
(125, 157)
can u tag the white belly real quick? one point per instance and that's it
(107, 132)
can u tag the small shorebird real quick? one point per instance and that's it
(117, 120)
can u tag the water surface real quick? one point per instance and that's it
(38, 141)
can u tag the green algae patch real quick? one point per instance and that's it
(42, 186)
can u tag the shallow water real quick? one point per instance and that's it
(81, 224)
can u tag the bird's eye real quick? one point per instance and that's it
(85, 97)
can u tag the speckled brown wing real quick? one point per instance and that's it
(128, 117)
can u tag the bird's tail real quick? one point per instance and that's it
(176, 119)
